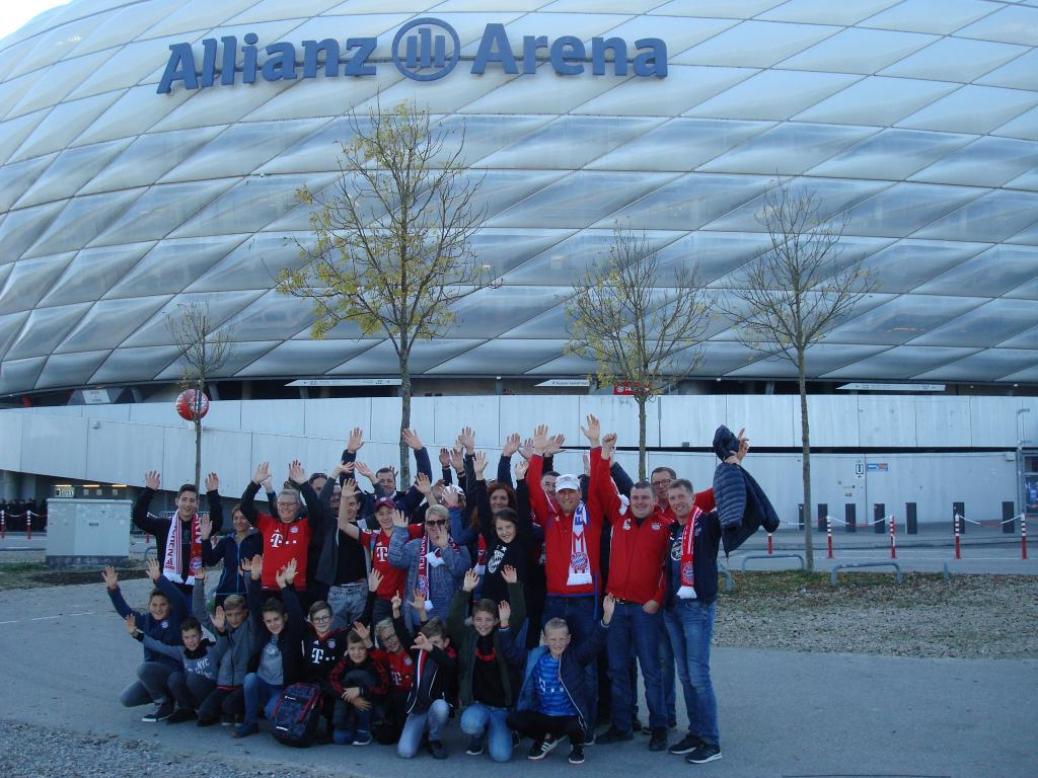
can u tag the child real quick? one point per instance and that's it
(233, 548)
(392, 712)
(166, 609)
(488, 674)
(278, 660)
(228, 696)
(428, 704)
(359, 680)
(554, 700)
(199, 659)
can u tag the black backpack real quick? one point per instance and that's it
(297, 715)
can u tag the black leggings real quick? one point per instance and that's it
(530, 723)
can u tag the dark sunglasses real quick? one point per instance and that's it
(440, 523)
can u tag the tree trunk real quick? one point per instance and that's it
(641, 437)
(805, 440)
(198, 434)
(405, 421)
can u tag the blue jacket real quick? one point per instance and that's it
(166, 630)
(232, 553)
(571, 672)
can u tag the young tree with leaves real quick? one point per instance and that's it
(638, 324)
(391, 253)
(204, 351)
(791, 296)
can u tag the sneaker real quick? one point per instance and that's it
(659, 739)
(576, 755)
(437, 749)
(614, 735)
(206, 722)
(181, 715)
(475, 745)
(686, 745)
(362, 738)
(244, 730)
(541, 748)
(226, 720)
(341, 737)
(162, 712)
(705, 753)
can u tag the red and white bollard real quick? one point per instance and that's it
(1023, 536)
(770, 547)
(893, 534)
(829, 536)
(3, 524)
(28, 525)
(958, 547)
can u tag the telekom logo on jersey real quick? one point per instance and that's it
(424, 49)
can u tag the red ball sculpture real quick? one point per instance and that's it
(187, 402)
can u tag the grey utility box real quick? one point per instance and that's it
(87, 532)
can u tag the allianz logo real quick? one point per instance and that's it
(424, 49)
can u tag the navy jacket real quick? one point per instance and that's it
(231, 552)
(165, 630)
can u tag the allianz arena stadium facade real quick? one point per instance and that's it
(138, 171)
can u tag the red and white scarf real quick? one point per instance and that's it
(688, 584)
(579, 558)
(173, 562)
(423, 568)
(481, 555)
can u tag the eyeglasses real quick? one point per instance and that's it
(440, 523)
(321, 619)
(662, 481)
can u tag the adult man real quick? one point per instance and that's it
(383, 480)
(341, 563)
(179, 540)
(638, 549)
(572, 545)
(661, 479)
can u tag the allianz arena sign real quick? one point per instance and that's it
(424, 49)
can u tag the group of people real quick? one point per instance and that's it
(527, 604)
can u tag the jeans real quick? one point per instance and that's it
(347, 603)
(478, 718)
(229, 702)
(351, 720)
(414, 728)
(691, 625)
(634, 629)
(150, 685)
(580, 614)
(189, 689)
(669, 677)
(259, 693)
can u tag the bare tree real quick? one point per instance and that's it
(392, 253)
(790, 297)
(640, 325)
(204, 351)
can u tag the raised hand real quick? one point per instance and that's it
(151, 567)
(511, 445)
(152, 480)
(418, 603)
(456, 461)
(362, 630)
(509, 574)
(131, 624)
(504, 612)
(399, 518)
(480, 464)
(541, 440)
(110, 577)
(587, 463)
(279, 578)
(744, 445)
(451, 496)
(471, 580)
(205, 527)
(355, 441)
(593, 430)
(421, 643)
(296, 473)
(445, 458)
(268, 484)
(262, 473)
(396, 603)
(467, 438)
(555, 444)
(410, 437)
(212, 482)
(364, 470)
(290, 572)
(256, 567)
(219, 618)
(526, 449)
(374, 580)
(423, 484)
(608, 445)
(520, 469)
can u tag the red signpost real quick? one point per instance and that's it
(958, 547)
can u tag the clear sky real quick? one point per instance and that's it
(15, 13)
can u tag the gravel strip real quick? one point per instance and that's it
(975, 616)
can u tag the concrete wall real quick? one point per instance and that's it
(117, 443)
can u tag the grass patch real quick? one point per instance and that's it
(32, 575)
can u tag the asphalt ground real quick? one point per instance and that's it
(67, 657)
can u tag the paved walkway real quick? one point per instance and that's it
(782, 714)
